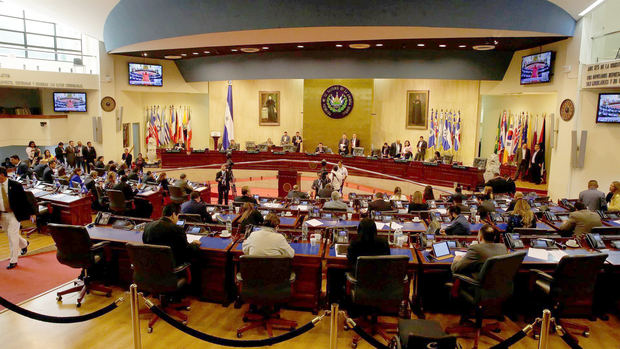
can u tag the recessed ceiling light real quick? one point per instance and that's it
(234, 50)
(379, 45)
(172, 57)
(207, 51)
(265, 48)
(338, 45)
(420, 45)
(483, 47)
(249, 49)
(462, 46)
(442, 45)
(194, 53)
(183, 54)
(145, 54)
(300, 46)
(359, 46)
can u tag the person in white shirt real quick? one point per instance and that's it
(398, 195)
(338, 176)
(267, 241)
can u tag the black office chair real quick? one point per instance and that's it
(418, 333)
(41, 210)
(265, 282)
(377, 288)
(615, 230)
(101, 201)
(118, 203)
(570, 291)
(177, 194)
(190, 218)
(487, 294)
(76, 250)
(154, 272)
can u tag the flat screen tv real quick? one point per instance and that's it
(536, 69)
(145, 74)
(70, 102)
(608, 110)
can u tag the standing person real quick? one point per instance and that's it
(421, 147)
(338, 176)
(297, 141)
(343, 145)
(32, 151)
(523, 162)
(223, 185)
(355, 142)
(318, 183)
(286, 139)
(79, 155)
(90, 154)
(593, 198)
(127, 158)
(396, 149)
(70, 154)
(14, 207)
(60, 153)
(140, 162)
(538, 159)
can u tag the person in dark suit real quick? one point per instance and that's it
(297, 141)
(355, 142)
(100, 164)
(487, 247)
(90, 154)
(246, 196)
(396, 149)
(148, 178)
(343, 145)
(133, 174)
(79, 155)
(21, 167)
(223, 185)
(165, 232)
(14, 207)
(421, 146)
(379, 204)
(195, 206)
(320, 149)
(523, 162)
(125, 188)
(39, 168)
(458, 225)
(60, 153)
(249, 216)
(127, 158)
(70, 154)
(48, 173)
(538, 160)
(385, 151)
(367, 243)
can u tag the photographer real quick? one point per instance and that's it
(223, 179)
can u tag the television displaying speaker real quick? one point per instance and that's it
(536, 69)
(70, 102)
(608, 110)
(145, 74)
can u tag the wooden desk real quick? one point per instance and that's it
(156, 199)
(70, 209)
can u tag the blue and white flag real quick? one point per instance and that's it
(446, 134)
(457, 134)
(229, 132)
(431, 132)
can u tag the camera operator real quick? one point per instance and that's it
(223, 178)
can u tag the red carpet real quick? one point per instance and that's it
(34, 275)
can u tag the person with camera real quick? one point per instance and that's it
(223, 179)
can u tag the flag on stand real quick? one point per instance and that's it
(431, 132)
(180, 137)
(525, 130)
(446, 134)
(229, 132)
(497, 137)
(189, 131)
(153, 128)
(541, 139)
(457, 134)
(534, 138)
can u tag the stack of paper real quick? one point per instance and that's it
(379, 225)
(395, 226)
(551, 256)
(191, 238)
(314, 222)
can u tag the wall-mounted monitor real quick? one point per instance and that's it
(608, 110)
(70, 102)
(536, 69)
(145, 74)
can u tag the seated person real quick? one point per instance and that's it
(486, 205)
(385, 151)
(22, 167)
(165, 232)
(417, 203)
(267, 241)
(458, 201)
(182, 183)
(581, 221)
(522, 216)
(76, 180)
(163, 181)
(437, 158)
(428, 193)
(110, 180)
(62, 175)
(458, 225)
(320, 149)
(487, 247)
(148, 177)
(335, 203)
(195, 206)
(39, 168)
(48, 172)
(269, 142)
(246, 196)
(593, 198)
(458, 192)
(99, 164)
(125, 188)
(379, 204)
(326, 192)
(296, 194)
(398, 195)
(133, 174)
(90, 181)
(367, 243)
(231, 146)
(513, 202)
(249, 216)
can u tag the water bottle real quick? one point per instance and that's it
(230, 206)
(472, 214)
(304, 231)
(229, 225)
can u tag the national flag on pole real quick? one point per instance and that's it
(180, 137)
(153, 127)
(497, 137)
(446, 134)
(189, 131)
(502, 136)
(457, 134)
(431, 132)
(229, 132)
(525, 130)
(541, 140)
(534, 138)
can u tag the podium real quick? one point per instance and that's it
(286, 180)
(216, 136)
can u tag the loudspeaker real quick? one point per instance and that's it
(578, 151)
(119, 119)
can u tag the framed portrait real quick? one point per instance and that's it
(269, 108)
(417, 109)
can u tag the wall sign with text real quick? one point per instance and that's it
(337, 102)
(601, 75)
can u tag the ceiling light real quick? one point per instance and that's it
(591, 7)
(359, 46)
(300, 46)
(442, 45)
(420, 45)
(265, 48)
(379, 45)
(234, 50)
(483, 47)
(338, 45)
(249, 49)
(172, 57)
(207, 51)
(145, 54)
(195, 53)
(462, 46)
(183, 54)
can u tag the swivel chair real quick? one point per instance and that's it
(76, 250)
(118, 203)
(265, 282)
(486, 294)
(376, 288)
(41, 210)
(570, 291)
(418, 333)
(177, 194)
(154, 272)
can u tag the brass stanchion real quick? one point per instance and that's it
(135, 320)
(333, 327)
(543, 341)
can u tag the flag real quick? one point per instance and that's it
(525, 130)
(189, 131)
(431, 132)
(457, 134)
(446, 134)
(542, 141)
(502, 136)
(179, 127)
(497, 137)
(166, 127)
(147, 124)
(534, 139)
(153, 127)
(229, 132)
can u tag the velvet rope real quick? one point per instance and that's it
(230, 342)
(57, 319)
(510, 341)
(570, 340)
(368, 338)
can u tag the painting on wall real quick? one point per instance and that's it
(269, 108)
(417, 109)
(125, 135)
